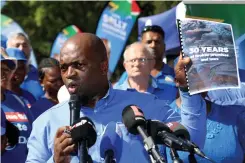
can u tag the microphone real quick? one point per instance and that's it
(84, 134)
(173, 135)
(162, 134)
(74, 108)
(134, 120)
(111, 144)
(180, 131)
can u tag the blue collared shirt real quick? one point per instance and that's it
(107, 109)
(162, 94)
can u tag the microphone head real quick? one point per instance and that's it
(179, 130)
(74, 102)
(111, 141)
(155, 126)
(132, 118)
(84, 129)
(74, 98)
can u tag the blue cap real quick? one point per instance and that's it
(17, 54)
(3, 123)
(4, 57)
(3, 41)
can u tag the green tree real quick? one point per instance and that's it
(43, 20)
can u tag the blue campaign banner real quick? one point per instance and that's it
(114, 27)
(167, 20)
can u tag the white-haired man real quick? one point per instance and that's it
(139, 60)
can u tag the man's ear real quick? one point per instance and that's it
(104, 67)
(124, 65)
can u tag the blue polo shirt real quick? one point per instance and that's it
(107, 109)
(163, 80)
(225, 138)
(162, 94)
(20, 116)
(32, 84)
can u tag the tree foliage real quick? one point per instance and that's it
(43, 20)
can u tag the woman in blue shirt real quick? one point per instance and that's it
(50, 79)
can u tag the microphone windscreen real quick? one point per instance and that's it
(84, 129)
(179, 130)
(154, 127)
(132, 118)
(111, 141)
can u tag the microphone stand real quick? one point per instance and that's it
(109, 157)
(174, 155)
(192, 158)
(150, 146)
(83, 150)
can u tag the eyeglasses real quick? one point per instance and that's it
(153, 28)
(140, 60)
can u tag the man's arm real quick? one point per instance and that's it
(193, 117)
(193, 107)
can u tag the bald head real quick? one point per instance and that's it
(83, 60)
(86, 43)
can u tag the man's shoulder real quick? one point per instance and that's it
(134, 96)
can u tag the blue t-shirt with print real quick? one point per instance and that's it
(21, 117)
(26, 97)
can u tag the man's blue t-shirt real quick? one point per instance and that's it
(32, 84)
(20, 116)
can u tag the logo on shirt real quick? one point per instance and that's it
(136, 111)
(21, 127)
(22, 140)
(16, 117)
(28, 105)
(169, 79)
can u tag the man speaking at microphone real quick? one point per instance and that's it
(84, 66)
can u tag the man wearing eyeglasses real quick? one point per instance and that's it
(139, 61)
(162, 74)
